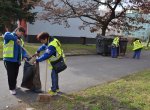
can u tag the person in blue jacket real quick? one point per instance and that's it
(13, 53)
(53, 52)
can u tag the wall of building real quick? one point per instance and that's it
(64, 39)
(59, 30)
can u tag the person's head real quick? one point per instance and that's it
(43, 37)
(20, 31)
(136, 39)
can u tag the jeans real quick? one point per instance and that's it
(114, 52)
(54, 77)
(137, 54)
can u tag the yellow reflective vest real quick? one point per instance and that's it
(137, 45)
(8, 49)
(116, 41)
(59, 52)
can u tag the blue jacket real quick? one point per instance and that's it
(17, 48)
(49, 51)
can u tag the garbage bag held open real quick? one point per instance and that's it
(31, 76)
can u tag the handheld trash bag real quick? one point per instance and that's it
(31, 77)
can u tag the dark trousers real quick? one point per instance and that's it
(12, 73)
(54, 77)
(137, 54)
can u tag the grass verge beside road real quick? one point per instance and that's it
(69, 49)
(128, 93)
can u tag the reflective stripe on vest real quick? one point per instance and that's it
(116, 41)
(22, 42)
(59, 51)
(8, 49)
(137, 45)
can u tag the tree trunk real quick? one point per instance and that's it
(104, 30)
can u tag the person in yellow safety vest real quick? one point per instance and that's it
(12, 54)
(137, 47)
(114, 47)
(53, 52)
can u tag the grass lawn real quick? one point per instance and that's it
(68, 48)
(128, 93)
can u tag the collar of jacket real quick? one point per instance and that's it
(16, 35)
(49, 40)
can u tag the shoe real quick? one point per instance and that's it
(13, 92)
(57, 90)
(52, 93)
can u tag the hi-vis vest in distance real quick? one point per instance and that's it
(137, 45)
(116, 41)
(8, 49)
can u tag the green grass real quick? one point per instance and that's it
(68, 48)
(128, 93)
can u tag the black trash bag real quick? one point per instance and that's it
(31, 77)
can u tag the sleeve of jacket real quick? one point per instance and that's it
(24, 54)
(41, 48)
(8, 36)
(51, 50)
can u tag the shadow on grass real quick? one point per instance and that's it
(102, 103)
(74, 102)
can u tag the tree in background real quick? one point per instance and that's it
(96, 14)
(14, 10)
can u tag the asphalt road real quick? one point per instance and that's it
(82, 72)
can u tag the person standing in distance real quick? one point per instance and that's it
(13, 53)
(137, 47)
(114, 47)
